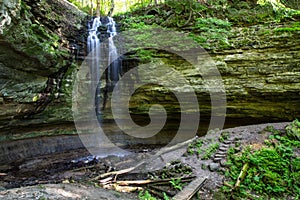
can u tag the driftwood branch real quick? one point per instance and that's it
(122, 188)
(190, 190)
(156, 182)
(152, 158)
(242, 175)
(156, 193)
(159, 189)
(124, 171)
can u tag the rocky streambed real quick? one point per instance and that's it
(75, 174)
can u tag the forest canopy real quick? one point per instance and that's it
(112, 7)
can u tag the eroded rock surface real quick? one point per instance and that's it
(36, 63)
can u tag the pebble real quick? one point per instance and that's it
(214, 167)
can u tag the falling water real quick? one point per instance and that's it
(94, 50)
(102, 57)
(114, 68)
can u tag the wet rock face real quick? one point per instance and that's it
(260, 72)
(35, 59)
(262, 77)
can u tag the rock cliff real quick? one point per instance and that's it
(260, 71)
(36, 63)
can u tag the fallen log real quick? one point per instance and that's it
(123, 171)
(156, 182)
(149, 160)
(106, 181)
(160, 190)
(126, 189)
(190, 190)
(242, 175)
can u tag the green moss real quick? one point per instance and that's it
(210, 151)
(211, 33)
(33, 38)
(195, 147)
(224, 136)
(294, 28)
(85, 9)
(273, 169)
(36, 134)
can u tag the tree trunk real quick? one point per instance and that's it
(112, 7)
(91, 9)
(98, 8)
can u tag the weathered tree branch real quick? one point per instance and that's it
(242, 175)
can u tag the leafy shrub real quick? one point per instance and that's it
(273, 170)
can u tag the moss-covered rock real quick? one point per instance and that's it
(36, 64)
(259, 68)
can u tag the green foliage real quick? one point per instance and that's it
(195, 147)
(210, 151)
(185, 5)
(140, 5)
(274, 170)
(83, 7)
(203, 23)
(218, 4)
(176, 183)
(145, 55)
(190, 150)
(224, 136)
(280, 10)
(145, 195)
(136, 22)
(183, 12)
(166, 197)
(33, 38)
(295, 27)
(211, 30)
(293, 130)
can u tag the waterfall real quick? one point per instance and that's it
(94, 50)
(105, 69)
(114, 68)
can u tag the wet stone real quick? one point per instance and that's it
(231, 141)
(228, 142)
(220, 154)
(225, 145)
(214, 166)
(223, 149)
(217, 159)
